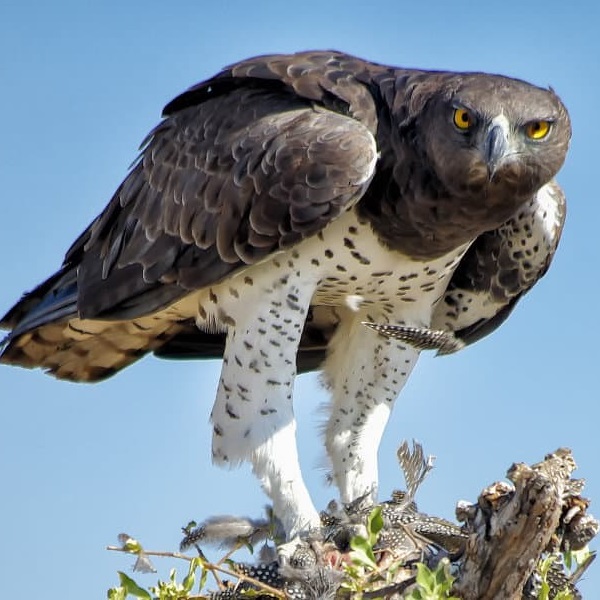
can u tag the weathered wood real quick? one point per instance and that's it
(510, 528)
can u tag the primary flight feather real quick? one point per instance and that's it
(266, 198)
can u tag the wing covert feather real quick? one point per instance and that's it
(501, 266)
(219, 186)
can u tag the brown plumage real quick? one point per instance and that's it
(269, 195)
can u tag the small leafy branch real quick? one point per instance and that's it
(172, 589)
(364, 572)
(363, 568)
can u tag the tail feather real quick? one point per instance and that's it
(53, 300)
(88, 351)
(47, 332)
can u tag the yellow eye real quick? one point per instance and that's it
(462, 118)
(536, 130)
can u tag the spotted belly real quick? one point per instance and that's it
(349, 269)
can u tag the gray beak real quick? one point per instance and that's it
(496, 144)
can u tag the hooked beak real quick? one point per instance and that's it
(496, 145)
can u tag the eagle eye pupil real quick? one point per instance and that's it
(462, 119)
(538, 130)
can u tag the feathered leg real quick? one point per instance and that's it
(253, 417)
(366, 372)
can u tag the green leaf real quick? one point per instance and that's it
(362, 552)
(578, 558)
(353, 573)
(116, 593)
(544, 567)
(375, 524)
(563, 595)
(425, 578)
(132, 545)
(131, 587)
(190, 578)
(188, 582)
(250, 593)
(203, 578)
(569, 559)
(189, 527)
(443, 577)
(433, 584)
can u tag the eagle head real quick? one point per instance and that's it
(494, 140)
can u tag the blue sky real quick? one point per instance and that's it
(81, 84)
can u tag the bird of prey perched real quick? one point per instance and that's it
(270, 195)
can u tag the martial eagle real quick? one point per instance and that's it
(280, 205)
